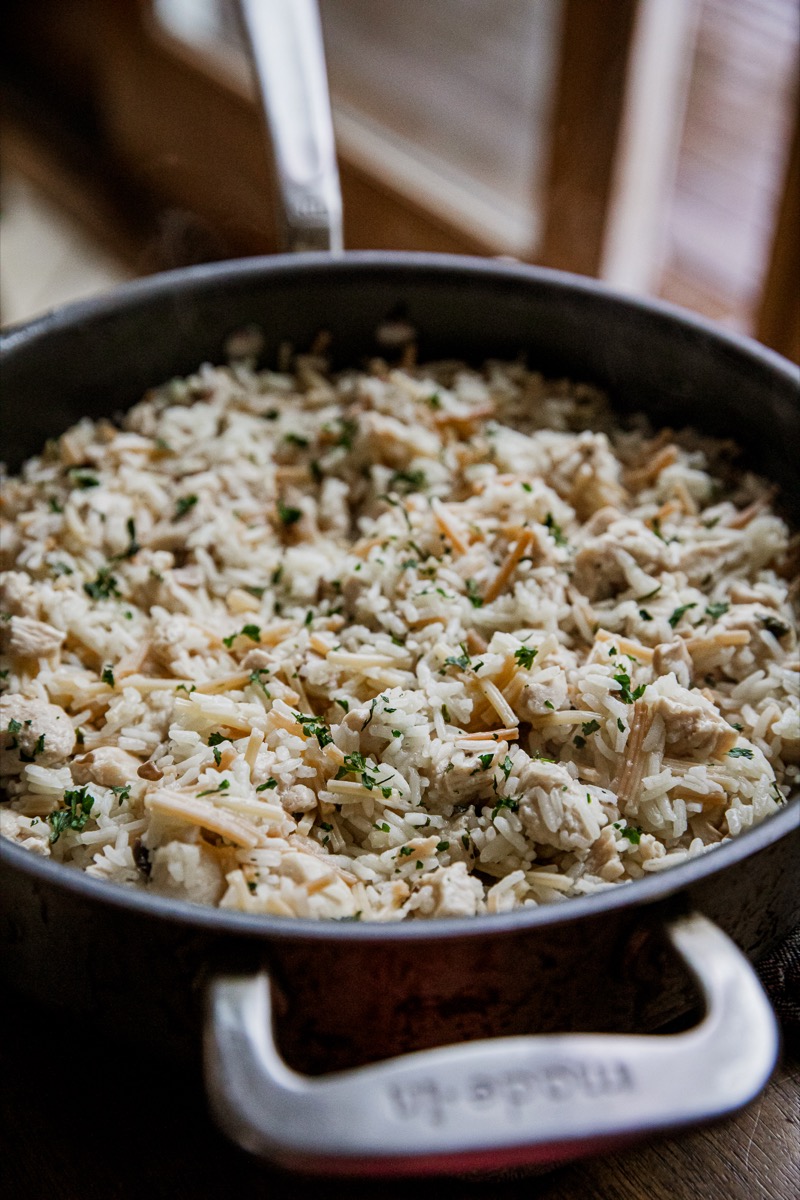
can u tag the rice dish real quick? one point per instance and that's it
(396, 643)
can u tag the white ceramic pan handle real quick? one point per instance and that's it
(286, 48)
(486, 1104)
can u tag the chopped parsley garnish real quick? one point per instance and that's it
(313, 727)
(79, 806)
(55, 505)
(620, 725)
(506, 766)
(396, 733)
(81, 480)
(632, 833)
(649, 595)
(555, 530)
(108, 676)
(383, 826)
(103, 587)
(526, 487)
(475, 598)
(717, 610)
(644, 614)
(486, 760)
(442, 846)
(294, 439)
(579, 741)
(626, 695)
(326, 826)
(461, 660)
(525, 656)
(122, 792)
(509, 802)
(414, 480)
(549, 704)
(435, 400)
(268, 786)
(61, 568)
(249, 631)
(183, 505)
(678, 612)
(405, 851)
(589, 727)
(349, 429)
(740, 752)
(223, 787)
(287, 514)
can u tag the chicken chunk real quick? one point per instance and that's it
(107, 765)
(18, 595)
(28, 638)
(187, 869)
(693, 727)
(555, 809)
(675, 657)
(542, 694)
(33, 731)
(454, 892)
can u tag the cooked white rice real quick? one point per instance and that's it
(403, 643)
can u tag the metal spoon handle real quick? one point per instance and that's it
(285, 38)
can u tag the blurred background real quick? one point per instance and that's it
(653, 143)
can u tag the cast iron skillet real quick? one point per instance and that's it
(534, 1089)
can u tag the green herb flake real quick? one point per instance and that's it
(268, 786)
(589, 727)
(677, 613)
(485, 760)
(287, 514)
(294, 439)
(509, 802)
(525, 656)
(253, 632)
(223, 787)
(626, 695)
(475, 599)
(81, 479)
(183, 505)
(108, 676)
(122, 792)
(103, 587)
(740, 752)
(79, 807)
(715, 611)
(632, 833)
(554, 530)
(645, 615)
(405, 851)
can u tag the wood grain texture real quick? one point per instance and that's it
(595, 45)
(76, 1124)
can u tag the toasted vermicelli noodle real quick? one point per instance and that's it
(397, 643)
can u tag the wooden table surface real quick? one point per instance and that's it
(114, 1126)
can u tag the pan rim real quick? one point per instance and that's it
(660, 886)
(137, 292)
